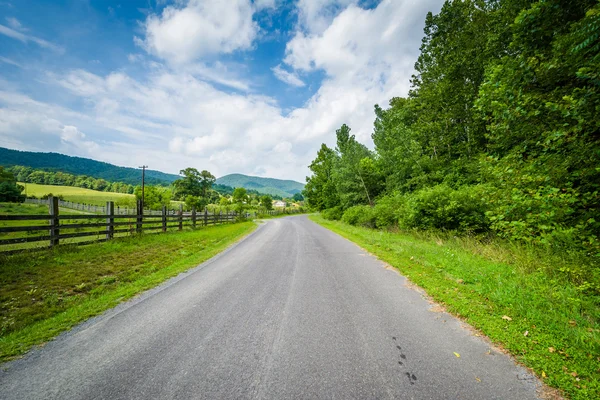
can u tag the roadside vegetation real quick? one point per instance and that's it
(45, 293)
(495, 150)
(511, 293)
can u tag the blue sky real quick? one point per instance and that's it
(239, 86)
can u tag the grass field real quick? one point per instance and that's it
(547, 323)
(75, 194)
(45, 293)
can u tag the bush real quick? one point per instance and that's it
(387, 209)
(441, 207)
(360, 215)
(334, 213)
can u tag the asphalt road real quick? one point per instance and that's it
(291, 312)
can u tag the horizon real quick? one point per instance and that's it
(151, 169)
(252, 87)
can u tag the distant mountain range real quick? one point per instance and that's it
(132, 176)
(82, 166)
(278, 187)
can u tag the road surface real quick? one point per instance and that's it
(294, 311)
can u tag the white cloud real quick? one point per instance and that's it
(11, 62)
(14, 23)
(287, 77)
(74, 137)
(367, 56)
(174, 116)
(200, 28)
(314, 16)
(4, 30)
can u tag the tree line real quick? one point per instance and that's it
(499, 133)
(197, 189)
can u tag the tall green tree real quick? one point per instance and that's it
(9, 189)
(320, 191)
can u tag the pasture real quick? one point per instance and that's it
(77, 194)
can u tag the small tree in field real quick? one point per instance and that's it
(266, 202)
(240, 198)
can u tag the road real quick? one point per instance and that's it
(294, 311)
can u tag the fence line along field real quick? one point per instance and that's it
(38, 229)
(36, 226)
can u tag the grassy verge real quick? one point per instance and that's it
(45, 293)
(547, 323)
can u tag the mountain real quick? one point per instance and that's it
(82, 166)
(283, 188)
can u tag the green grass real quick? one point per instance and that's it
(75, 194)
(554, 325)
(45, 293)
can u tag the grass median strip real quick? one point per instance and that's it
(547, 323)
(45, 293)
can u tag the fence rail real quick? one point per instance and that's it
(27, 232)
(96, 209)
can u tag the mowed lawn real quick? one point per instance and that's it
(75, 194)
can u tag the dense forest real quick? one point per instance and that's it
(54, 162)
(499, 134)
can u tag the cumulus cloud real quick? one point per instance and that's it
(315, 16)
(176, 114)
(287, 77)
(366, 54)
(74, 137)
(199, 28)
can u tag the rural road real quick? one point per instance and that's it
(291, 312)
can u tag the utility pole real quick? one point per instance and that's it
(143, 167)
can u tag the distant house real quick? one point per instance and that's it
(279, 203)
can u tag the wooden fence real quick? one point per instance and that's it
(27, 232)
(92, 208)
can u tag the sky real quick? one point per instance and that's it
(236, 86)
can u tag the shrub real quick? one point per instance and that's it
(387, 209)
(441, 207)
(334, 213)
(360, 215)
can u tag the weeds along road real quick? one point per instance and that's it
(292, 312)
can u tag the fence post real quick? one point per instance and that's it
(194, 217)
(140, 216)
(205, 216)
(54, 221)
(110, 220)
(164, 218)
(180, 216)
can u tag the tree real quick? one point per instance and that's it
(195, 188)
(155, 197)
(320, 191)
(298, 197)
(266, 202)
(239, 199)
(224, 202)
(354, 172)
(9, 189)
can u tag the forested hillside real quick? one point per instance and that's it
(277, 187)
(82, 166)
(499, 134)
